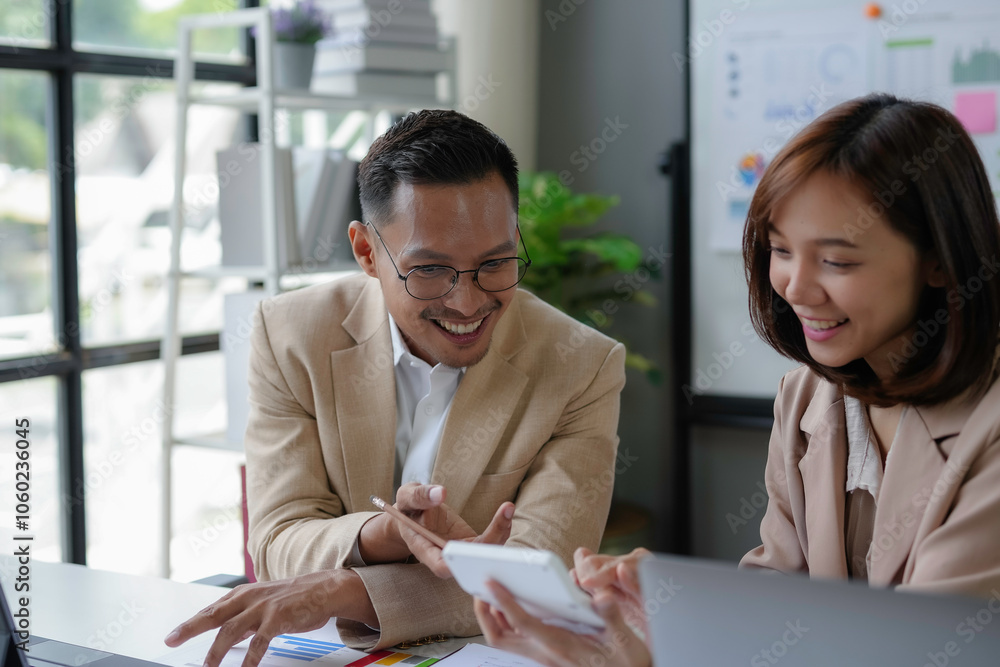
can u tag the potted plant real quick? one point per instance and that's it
(297, 28)
(588, 276)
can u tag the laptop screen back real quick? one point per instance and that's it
(708, 613)
(10, 654)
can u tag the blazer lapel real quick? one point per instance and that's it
(913, 466)
(824, 479)
(364, 389)
(483, 405)
(913, 480)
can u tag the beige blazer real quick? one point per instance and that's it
(534, 422)
(937, 526)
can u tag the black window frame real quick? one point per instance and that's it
(67, 364)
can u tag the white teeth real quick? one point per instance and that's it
(459, 328)
(821, 324)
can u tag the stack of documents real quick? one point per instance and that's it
(380, 48)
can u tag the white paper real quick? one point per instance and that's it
(322, 648)
(477, 655)
(772, 77)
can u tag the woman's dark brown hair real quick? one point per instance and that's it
(925, 178)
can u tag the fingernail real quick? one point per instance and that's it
(509, 512)
(172, 637)
(436, 493)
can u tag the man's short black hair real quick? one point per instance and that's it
(430, 147)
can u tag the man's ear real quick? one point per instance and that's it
(364, 251)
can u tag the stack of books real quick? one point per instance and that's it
(383, 48)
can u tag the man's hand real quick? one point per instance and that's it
(425, 503)
(511, 628)
(267, 609)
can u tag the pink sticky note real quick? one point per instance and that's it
(977, 111)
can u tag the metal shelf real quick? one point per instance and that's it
(266, 102)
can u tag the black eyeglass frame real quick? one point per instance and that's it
(458, 274)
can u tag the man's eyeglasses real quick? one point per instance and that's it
(433, 281)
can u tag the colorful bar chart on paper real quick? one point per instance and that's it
(289, 650)
(296, 651)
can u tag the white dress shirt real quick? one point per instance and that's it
(864, 479)
(423, 399)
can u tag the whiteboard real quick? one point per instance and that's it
(763, 69)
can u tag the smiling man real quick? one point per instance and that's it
(430, 367)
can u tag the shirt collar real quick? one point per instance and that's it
(399, 347)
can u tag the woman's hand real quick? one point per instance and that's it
(507, 626)
(425, 503)
(618, 576)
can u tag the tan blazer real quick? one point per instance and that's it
(937, 526)
(534, 422)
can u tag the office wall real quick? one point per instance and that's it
(727, 480)
(614, 61)
(497, 72)
(607, 82)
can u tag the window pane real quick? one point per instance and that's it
(208, 514)
(123, 422)
(24, 23)
(26, 322)
(124, 158)
(122, 418)
(149, 27)
(35, 400)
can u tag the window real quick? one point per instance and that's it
(123, 420)
(26, 324)
(36, 400)
(86, 146)
(149, 28)
(24, 23)
(124, 129)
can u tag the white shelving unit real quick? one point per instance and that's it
(265, 101)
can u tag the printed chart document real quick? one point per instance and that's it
(322, 648)
(477, 655)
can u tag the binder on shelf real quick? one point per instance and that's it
(240, 215)
(334, 204)
(309, 166)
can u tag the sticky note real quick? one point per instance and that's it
(977, 111)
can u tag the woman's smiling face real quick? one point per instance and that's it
(854, 282)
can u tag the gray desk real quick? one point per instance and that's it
(122, 613)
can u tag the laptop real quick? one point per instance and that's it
(708, 613)
(42, 652)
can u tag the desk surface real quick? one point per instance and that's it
(120, 613)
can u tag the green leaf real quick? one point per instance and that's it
(573, 274)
